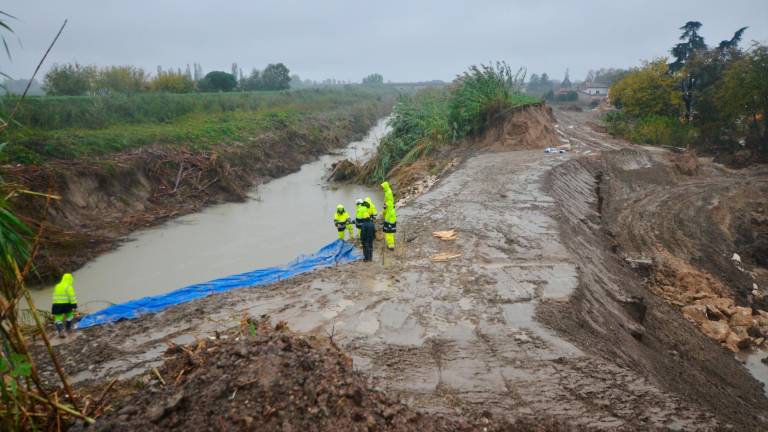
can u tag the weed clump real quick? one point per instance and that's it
(422, 122)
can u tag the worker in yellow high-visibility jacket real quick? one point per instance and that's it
(64, 304)
(361, 213)
(390, 217)
(372, 212)
(343, 222)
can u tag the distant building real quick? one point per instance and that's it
(595, 89)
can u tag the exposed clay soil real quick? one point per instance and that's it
(539, 319)
(644, 207)
(270, 379)
(103, 200)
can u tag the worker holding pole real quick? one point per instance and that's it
(390, 217)
(64, 304)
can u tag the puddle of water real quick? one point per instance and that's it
(283, 219)
(753, 362)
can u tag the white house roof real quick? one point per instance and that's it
(597, 85)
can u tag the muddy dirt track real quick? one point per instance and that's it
(538, 317)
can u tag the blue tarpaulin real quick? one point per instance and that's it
(338, 252)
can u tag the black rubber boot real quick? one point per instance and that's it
(69, 326)
(60, 329)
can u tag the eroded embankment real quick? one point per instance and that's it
(648, 241)
(524, 127)
(104, 199)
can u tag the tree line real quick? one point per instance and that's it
(74, 79)
(713, 98)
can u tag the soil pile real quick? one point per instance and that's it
(528, 127)
(267, 379)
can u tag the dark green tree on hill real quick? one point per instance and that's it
(217, 81)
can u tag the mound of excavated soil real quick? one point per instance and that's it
(270, 380)
(529, 127)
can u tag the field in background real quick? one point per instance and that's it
(71, 127)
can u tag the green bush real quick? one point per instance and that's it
(433, 117)
(482, 93)
(651, 129)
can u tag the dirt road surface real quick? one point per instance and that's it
(536, 318)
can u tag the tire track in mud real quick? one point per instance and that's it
(452, 337)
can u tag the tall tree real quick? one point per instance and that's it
(71, 79)
(276, 77)
(374, 79)
(218, 81)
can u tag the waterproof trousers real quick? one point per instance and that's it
(58, 320)
(390, 239)
(349, 230)
(367, 235)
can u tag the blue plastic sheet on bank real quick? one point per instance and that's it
(338, 252)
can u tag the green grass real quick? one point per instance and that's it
(434, 117)
(196, 121)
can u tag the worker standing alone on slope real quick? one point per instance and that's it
(367, 234)
(390, 217)
(64, 304)
(343, 222)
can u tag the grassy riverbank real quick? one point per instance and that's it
(83, 127)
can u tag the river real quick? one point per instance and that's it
(282, 219)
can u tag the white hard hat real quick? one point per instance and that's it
(359, 201)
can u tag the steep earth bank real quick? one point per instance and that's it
(652, 235)
(102, 200)
(525, 127)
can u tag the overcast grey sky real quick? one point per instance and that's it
(403, 40)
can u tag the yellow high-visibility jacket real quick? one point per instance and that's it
(372, 209)
(64, 291)
(361, 214)
(341, 220)
(389, 203)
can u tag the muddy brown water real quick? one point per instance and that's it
(283, 219)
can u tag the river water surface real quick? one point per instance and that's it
(282, 219)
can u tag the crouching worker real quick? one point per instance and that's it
(64, 304)
(343, 223)
(390, 217)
